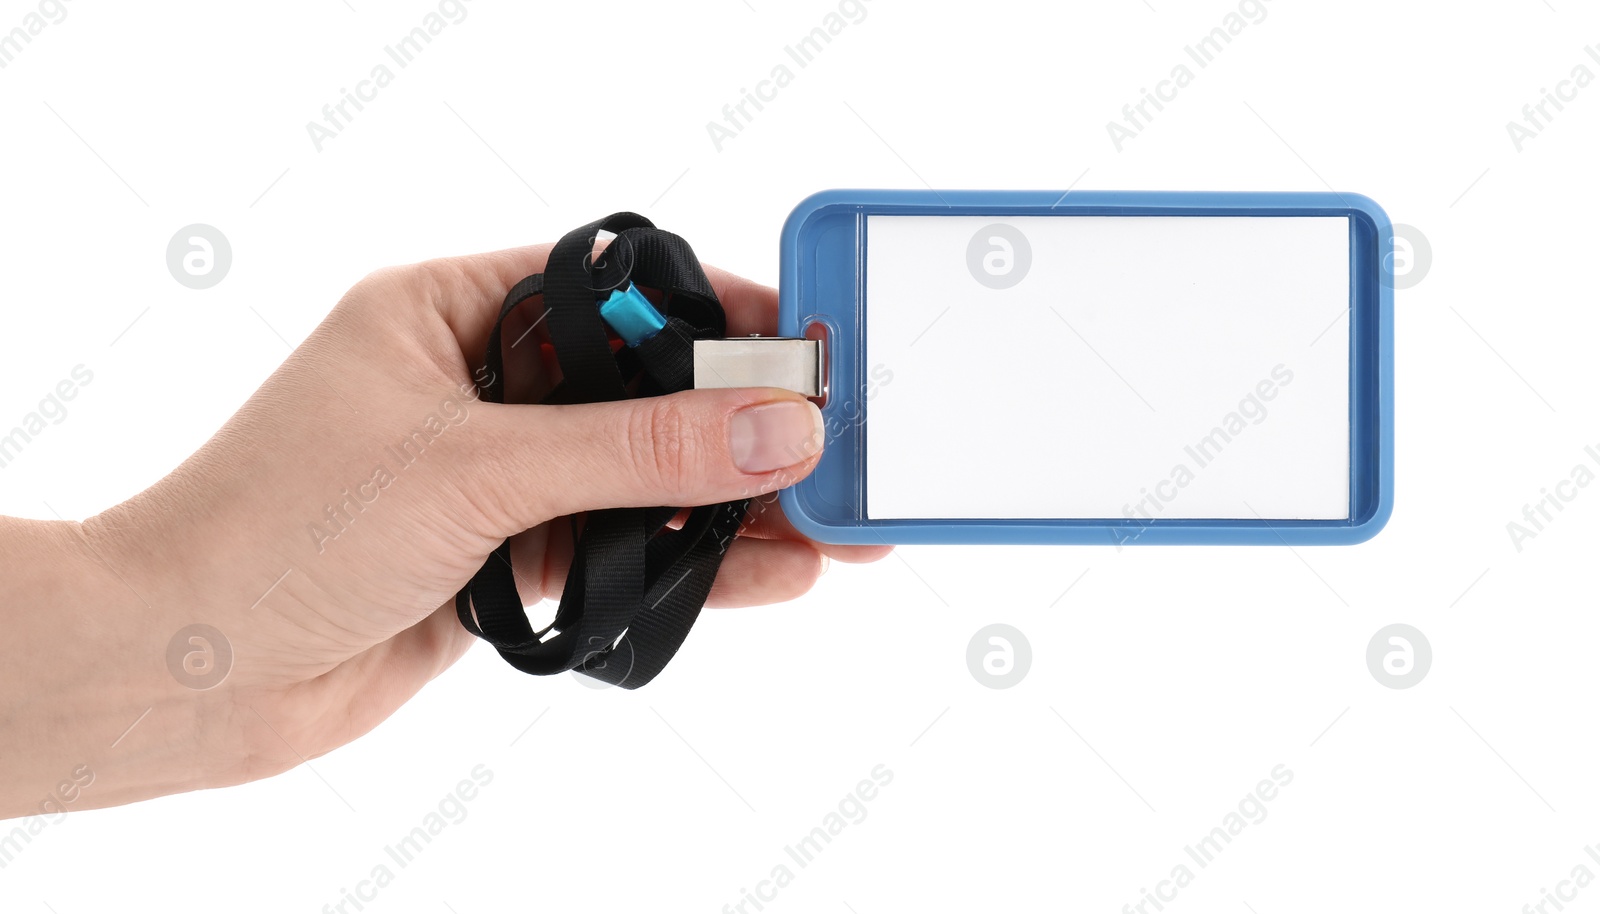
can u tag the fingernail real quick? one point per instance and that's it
(774, 435)
(825, 563)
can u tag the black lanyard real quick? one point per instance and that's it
(635, 587)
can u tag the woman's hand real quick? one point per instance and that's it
(322, 534)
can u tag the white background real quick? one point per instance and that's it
(1165, 681)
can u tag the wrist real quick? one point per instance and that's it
(88, 711)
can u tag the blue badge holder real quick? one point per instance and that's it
(823, 293)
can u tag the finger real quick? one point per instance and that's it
(750, 306)
(467, 291)
(529, 364)
(539, 561)
(528, 464)
(543, 555)
(754, 572)
(765, 520)
(757, 572)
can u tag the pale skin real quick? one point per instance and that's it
(330, 635)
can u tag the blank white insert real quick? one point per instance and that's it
(1126, 375)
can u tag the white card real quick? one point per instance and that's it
(1108, 367)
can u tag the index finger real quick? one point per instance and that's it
(750, 306)
(468, 291)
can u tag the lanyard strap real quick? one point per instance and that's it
(635, 586)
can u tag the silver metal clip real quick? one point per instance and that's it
(760, 361)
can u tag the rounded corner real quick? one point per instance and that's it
(810, 207)
(802, 520)
(1374, 523)
(799, 290)
(1370, 208)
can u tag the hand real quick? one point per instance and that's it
(325, 530)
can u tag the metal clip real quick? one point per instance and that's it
(760, 361)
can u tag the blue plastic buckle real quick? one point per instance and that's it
(631, 315)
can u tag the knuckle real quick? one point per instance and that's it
(411, 282)
(394, 308)
(385, 280)
(664, 443)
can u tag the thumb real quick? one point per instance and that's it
(697, 447)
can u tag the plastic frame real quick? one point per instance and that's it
(822, 281)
